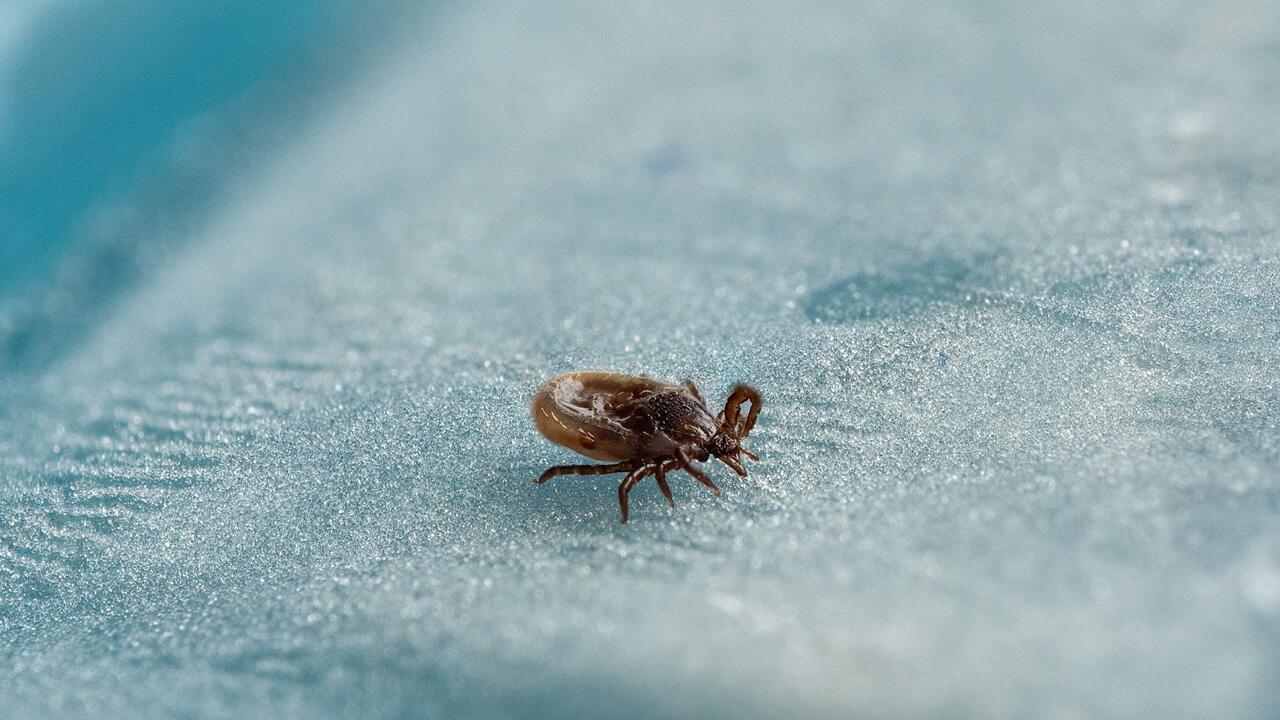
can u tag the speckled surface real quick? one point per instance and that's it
(1008, 279)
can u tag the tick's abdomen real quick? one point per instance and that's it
(602, 415)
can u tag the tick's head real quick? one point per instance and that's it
(726, 446)
(724, 443)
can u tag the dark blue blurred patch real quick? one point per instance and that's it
(904, 291)
(103, 91)
(666, 159)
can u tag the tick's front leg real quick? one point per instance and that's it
(734, 465)
(585, 470)
(732, 407)
(687, 465)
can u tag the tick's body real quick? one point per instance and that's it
(642, 427)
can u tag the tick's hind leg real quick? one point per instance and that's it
(584, 470)
(662, 481)
(631, 480)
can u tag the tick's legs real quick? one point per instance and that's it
(741, 394)
(688, 384)
(683, 458)
(666, 491)
(662, 481)
(631, 480)
(585, 470)
(733, 463)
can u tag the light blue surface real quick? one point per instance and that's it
(1008, 278)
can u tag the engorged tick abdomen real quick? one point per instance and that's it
(602, 415)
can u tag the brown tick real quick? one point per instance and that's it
(642, 427)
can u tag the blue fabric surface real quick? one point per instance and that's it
(1007, 277)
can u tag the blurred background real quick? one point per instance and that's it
(277, 282)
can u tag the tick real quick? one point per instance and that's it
(642, 427)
